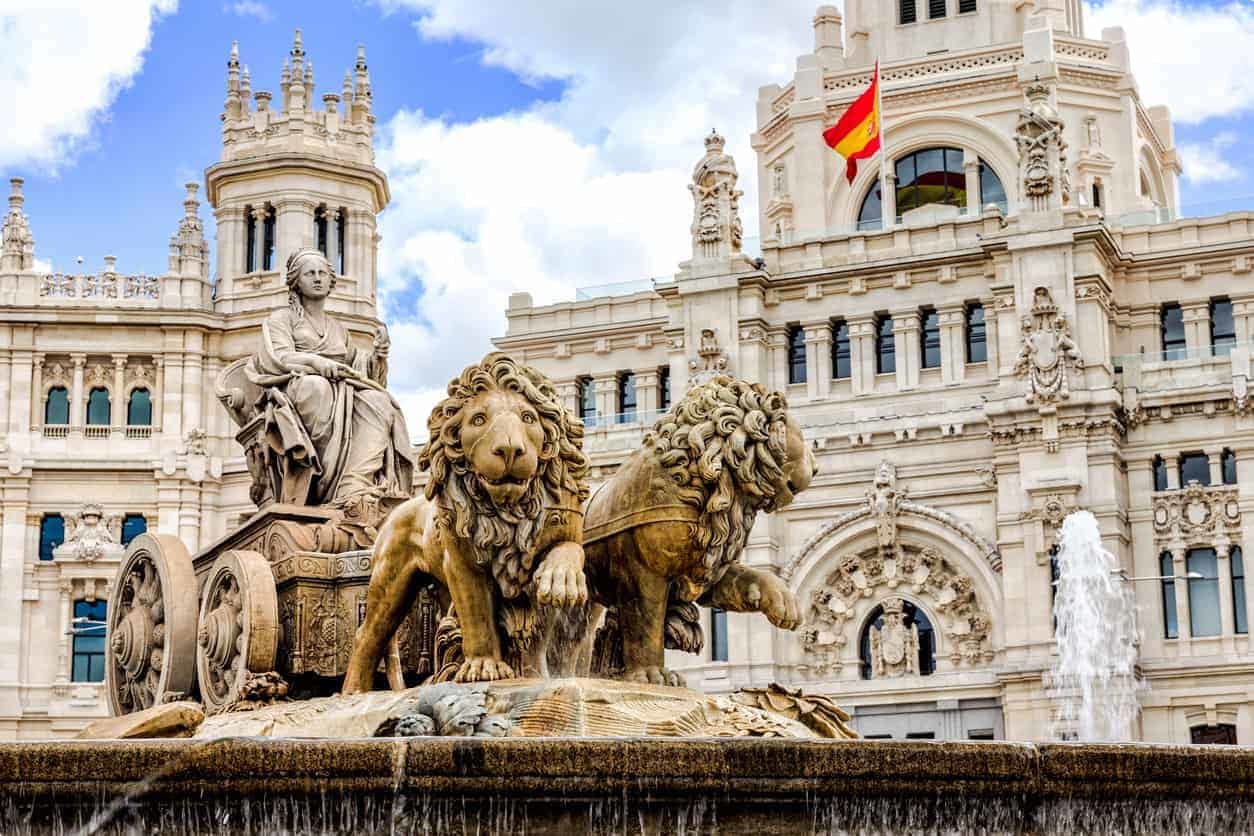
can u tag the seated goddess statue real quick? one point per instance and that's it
(326, 410)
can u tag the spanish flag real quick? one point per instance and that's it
(856, 136)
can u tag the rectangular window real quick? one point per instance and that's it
(250, 256)
(1223, 334)
(920, 735)
(587, 400)
(796, 354)
(1167, 568)
(982, 734)
(718, 635)
(320, 228)
(1171, 326)
(626, 398)
(51, 534)
(89, 641)
(1097, 196)
(977, 344)
(841, 364)
(929, 340)
(664, 387)
(1160, 473)
(1194, 467)
(1237, 565)
(341, 228)
(965, 6)
(908, 13)
(133, 525)
(935, 9)
(1228, 462)
(885, 347)
(267, 240)
(1203, 592)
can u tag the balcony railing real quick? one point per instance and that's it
(96, 431)
(1194, 354)
(104, 287)
(92, 430)
(640, 417)
(139, 431)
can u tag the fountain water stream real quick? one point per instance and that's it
(1094, 681)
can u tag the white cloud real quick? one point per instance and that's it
(1168, 41)
(62, 63)
(586, 190)
(250, 8)
(1205, 162)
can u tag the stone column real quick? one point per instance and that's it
(568, 391)
(293, 228)
(22, 414)
(818, 335)
(37, 391)
(65, 624)
(167, 504)
(647, 393)
(606, 388)
(16, 499)
(118, 403)
(971, 169)
(171, 397)
(778, 338)
(333, 238)
(906, 347)
(6, 392)
(1197, 327)
(78, 406)
(193, 377)
(1223, 565)
(189, 515)
(260, 213)
(953, 343)
(157, 394)
(1183, 628)
(1214, 458)
(862, 355)
(888, 199)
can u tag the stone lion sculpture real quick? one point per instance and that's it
(499, 526)
(667, 531)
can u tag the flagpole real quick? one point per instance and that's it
(887, 219)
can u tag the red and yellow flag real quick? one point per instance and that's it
(856, 136)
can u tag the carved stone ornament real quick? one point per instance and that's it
(91, 536)
(710, 361)
(987, 474)
(1048, 355)
(716, 228)
(1042, 150)
(838, 605)
(885, 501)
(894, 646)
(1197, 516)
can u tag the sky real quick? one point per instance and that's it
(534, 146)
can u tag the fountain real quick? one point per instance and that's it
(1094, 680)
(489, 656)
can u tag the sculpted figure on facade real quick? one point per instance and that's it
(1048, 355)
(1042, 149)
(666, 532)
(90, 535)
(710, 362)
(885, 501)
(330, 433)
(894, 646)
(716, 226)
(499, 525)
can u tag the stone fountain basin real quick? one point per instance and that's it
(558, 785)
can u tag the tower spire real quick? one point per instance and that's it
(17, 247)
(232, 106)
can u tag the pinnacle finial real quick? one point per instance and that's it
(15, 191)
(361, 57)
(714, 142)
(297, 47)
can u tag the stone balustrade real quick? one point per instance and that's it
(101, 288)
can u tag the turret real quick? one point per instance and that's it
(232, 106)
(17, 246)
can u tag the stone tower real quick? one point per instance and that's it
(293, 175)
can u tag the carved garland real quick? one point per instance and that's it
(861, 579)
(1197, 516)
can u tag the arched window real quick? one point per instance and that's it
(933, 175)
(51, 534)
(98, 407)
(89, 639)
(1203, 592)
(57, 406)
(1237, 565)
(1167, 568)
(913, 617)
(139, 409)
(133, 525)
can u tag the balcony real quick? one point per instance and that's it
(1166, 379)
(94, 431)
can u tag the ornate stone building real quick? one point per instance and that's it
(107, 380)
(1020, 326)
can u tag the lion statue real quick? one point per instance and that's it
(499, 524)
(666, 531)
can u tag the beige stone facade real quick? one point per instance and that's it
(88, 456)
(1031, 329)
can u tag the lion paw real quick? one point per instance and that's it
(655, 676)
(560, 580)
(483, 669)
(771, 597)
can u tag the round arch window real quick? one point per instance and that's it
(932, 175)
(889, 634)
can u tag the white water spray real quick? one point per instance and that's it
(1094, 681)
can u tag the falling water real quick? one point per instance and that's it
(1094, 681)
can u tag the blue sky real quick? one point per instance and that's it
(538, 146)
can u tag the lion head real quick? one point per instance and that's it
(502, 450)
(733, 450)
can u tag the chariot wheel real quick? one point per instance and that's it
(239, 627)
(150, 635)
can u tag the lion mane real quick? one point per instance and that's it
(725, 446)
(504, 537)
